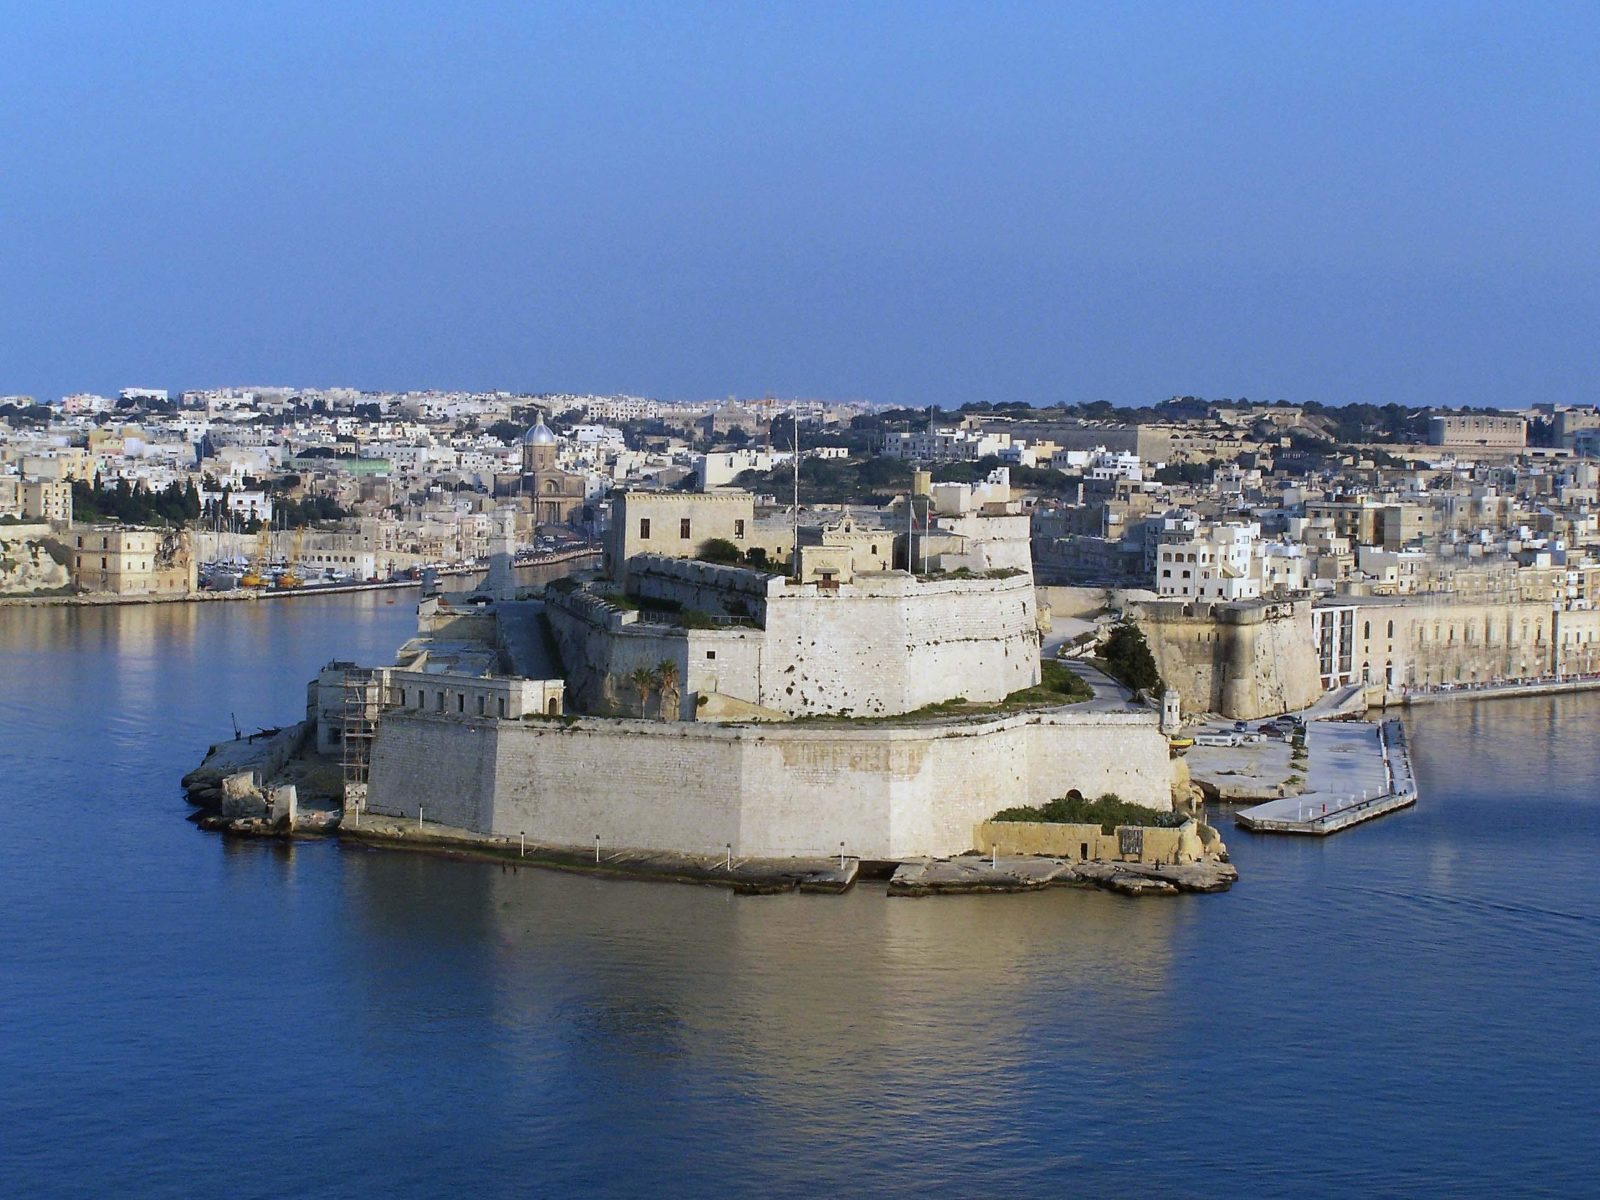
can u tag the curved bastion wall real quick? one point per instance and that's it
(884, 791)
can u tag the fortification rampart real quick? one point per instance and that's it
(885, 791)
(1244, 659)
(882, 645)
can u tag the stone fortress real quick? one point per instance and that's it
(844, 705)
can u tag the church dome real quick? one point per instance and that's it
(539, 435)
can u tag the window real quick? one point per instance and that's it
(500, 706)
(461, 702)
(482, 704)
(402, 697)
(439, 702)
(683, 527)
(644, 527)
(738, 528)
(711, 654)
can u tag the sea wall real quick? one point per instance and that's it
(885, 791)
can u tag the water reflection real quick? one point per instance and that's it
(467, 1028)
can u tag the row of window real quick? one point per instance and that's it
(421, 702)
(685, 527)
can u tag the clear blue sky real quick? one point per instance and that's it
(917, 203)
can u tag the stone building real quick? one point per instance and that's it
(131, 561)
(556, 494)
(675, 524)
(1503, 431)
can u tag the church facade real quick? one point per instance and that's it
(555, 495)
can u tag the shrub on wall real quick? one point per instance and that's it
(1110, 810)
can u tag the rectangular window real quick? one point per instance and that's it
(711, 653)
(500, 706)
(738, 528)
(683, 527)
(461, 702)
(482, 704)
(439, 702)
(644, 527)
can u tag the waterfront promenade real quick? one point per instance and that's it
(1550, 686)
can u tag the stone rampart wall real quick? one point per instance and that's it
(1243, 660)
(888, 646)
(885, 791)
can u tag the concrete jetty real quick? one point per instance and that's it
(1384, 780)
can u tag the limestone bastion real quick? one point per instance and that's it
(697, 708)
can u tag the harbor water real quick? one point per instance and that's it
(1404, 1009)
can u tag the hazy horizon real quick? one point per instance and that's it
(908, 204)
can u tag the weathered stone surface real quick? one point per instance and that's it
(241, 797)
(264, 754)
(971, 873)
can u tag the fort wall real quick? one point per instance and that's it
(885, 791)
(1244, 659)
(878, 646)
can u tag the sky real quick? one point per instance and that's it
(919, 203)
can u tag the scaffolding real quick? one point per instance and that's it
(363, 688)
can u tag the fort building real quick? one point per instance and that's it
(698, 707)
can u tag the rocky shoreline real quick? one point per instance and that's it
(977, 873)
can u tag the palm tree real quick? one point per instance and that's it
(644, 681)
(667, 678)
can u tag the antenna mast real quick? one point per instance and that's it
(794, 447)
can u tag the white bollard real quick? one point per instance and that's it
(728, 865)
(841, 856)
(419, 816)
(597, 847)
(523, 851)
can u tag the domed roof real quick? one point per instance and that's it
(539, 435)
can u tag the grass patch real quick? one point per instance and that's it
(1109, 811)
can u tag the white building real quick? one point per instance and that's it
(1221, 562)
(722, 468)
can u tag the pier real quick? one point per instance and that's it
(1341, 764)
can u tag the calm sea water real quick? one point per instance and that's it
(1405, 1009)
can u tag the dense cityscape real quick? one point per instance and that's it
(1482, 524)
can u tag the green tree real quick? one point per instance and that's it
(719, 550)
(667, 678)
(1127, 656)
(643, 680)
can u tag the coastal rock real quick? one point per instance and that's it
(265, 754)
(241, 797)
